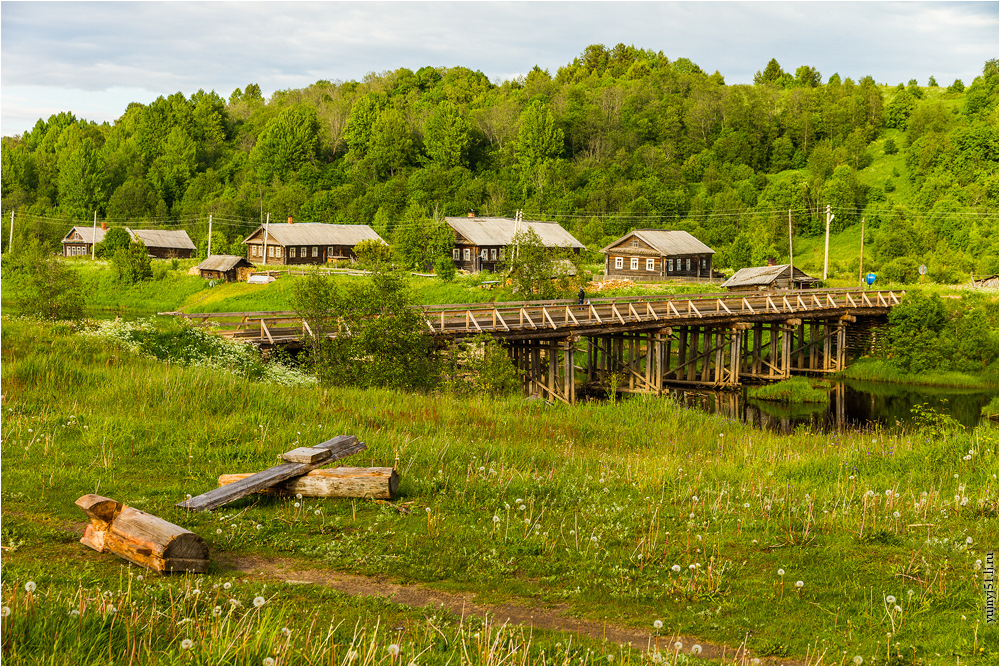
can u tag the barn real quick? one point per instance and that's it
(224, 268)
(481, 244)
(773, 276)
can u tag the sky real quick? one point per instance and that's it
(94, 58)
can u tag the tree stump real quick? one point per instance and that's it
(141, 538)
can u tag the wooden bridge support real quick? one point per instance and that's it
(710, 356)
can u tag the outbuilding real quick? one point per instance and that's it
(658, 254)
(291, 243)
(225, 268)
(481, 244)
(773, 276)
(165, 243)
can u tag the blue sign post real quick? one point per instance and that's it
(870, 278)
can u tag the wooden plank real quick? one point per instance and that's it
(341, 446)
(306, 455)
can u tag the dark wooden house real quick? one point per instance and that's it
(771, 277)
(658, 254)
(165, 243)
(80, 240)
(224, 268)
(291, 243)
(481, 244)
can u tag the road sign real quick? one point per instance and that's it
(870, 278)
(922, 269)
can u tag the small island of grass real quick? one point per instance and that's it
(793, 390)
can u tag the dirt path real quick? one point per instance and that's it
(520, 612)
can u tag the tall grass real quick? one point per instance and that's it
(591, 506)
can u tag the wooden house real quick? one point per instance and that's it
(80, 240)
(224, 268)
(481, 244)
(771, 277)
(165, 243)
(290, 243)
(658, 254)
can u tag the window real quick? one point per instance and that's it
(315, 251)
(502, 252)
(688, 262)
(277, 251)
(270, 251)
(330, 252)
(670, 266)
(635, 243)
(466, 254)
(484, 253)
(291, 252)
(650, 264)
(634, 264)
(493, 254)
(618, 262)
(703, 262)
(455, 254)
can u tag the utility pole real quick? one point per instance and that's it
(10, 241)
(93, 240)
(861, 260)
(209, 254)
(826, 245)
(266, 224)
(791, 260)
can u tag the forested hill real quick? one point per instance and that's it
(618, 139)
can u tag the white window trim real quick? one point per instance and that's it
(634, 264)
(467, 254)
(315, 251)
(650, 264)
(291, 253)
(619, 262)
(688, 263)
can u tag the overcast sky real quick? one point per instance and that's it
(93, 58)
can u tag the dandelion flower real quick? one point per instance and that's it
(657, 624)
(696, 649)
(317, 512)
(258, 526)
(218, 531)
(522, 508)
(799, 584)
(227, 585)
(258, 601)
(5, 612)
(746, 506)
(676, 568)
(393, 650)
(268, 662)
(286, 632)
(352, 654)
(195, 592)
(217, 611)
(30, 587)
(678, 645)
(781, 572)
(694, 499)
(968, 540)
(858, 660)
(72, 612)
(496, 519)
(138, 578)
(891, 599)
(298, 496)
(296, 504)
(897, 609)
(187, 644)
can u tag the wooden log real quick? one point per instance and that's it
(343, 482)
(141, 538)
(341, 446)
(306, 455)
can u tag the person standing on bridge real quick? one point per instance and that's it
(580, 296)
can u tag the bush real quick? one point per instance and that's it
(481, 366)
(133, 263)
(372, 253)
(46, 287)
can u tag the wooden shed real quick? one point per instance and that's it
(225, 268)
(481, 244)
(290, 243)
(775, 276)
(658, 253)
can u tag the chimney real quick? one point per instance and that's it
(472, 214)
(771, 261)
(290, 220)
(104, 226)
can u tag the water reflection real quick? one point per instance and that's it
(853, 405)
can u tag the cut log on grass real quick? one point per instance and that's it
(141, 538)
(344, 482)
(339, 447)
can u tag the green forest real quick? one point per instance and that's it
(618, 139)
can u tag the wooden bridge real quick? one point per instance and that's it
(633, 344)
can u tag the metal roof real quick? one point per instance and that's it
(666, 242)
(317, 233)
(163, 238)
(763, 275)
(500, 231)
(221, 262)
(87, 233)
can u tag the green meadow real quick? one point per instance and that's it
(841, 548)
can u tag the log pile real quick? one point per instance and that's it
(344, 482)
(141, 538)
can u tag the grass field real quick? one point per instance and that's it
(814, 547)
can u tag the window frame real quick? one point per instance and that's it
(619, 262)
(650, 264)
(633, 264)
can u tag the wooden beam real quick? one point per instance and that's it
(343, 482)
(339, 447)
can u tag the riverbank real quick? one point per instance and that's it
(881, 370)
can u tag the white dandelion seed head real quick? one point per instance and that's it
(217, 611)
(258, 601)
(496, 519)
(72, 612)
(227, 585)
(232, 527)
(5, 612)
(781, 572)
(692, 566)
(968, 540)
(522, 508)
(694, 499)
(393, 650)
(678, 645)
(187, 644)
(746, 506)
(286, 632)
(858, 660)
(297, 504)
(268, 662)
(891, 599)
(298, 496)
(218, 531)
(138, 577)
(897, 609)
(30, 587)
(258, 526)
(696, 649)
(676, 568)
(195, 592)
(657, 624)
